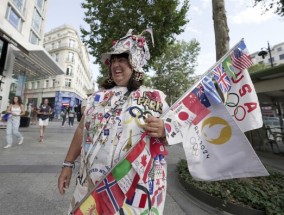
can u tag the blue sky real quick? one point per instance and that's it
(244, 21)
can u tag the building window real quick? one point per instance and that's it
(14, 18)
(279, 49)
(281, 57)
(34, 38)
(59, 43)
(46, 84)
(57, 57)
(272, 60)
(69, 70)
(33, 85)
(38, 84)
(71, 43)
(39, 4)
(68, 82)
(53, 83)
(19, 4)
(71, 57)
(36, 21)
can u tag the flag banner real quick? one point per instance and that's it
(242, 103)
(222, 78)
(110, 194)
(240, 57)
(216, 149)
(90, 206)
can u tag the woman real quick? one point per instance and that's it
(115, 120)
(16, 110)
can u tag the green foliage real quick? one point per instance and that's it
(276, 5)
(110, 20)
(261, 193)
(174, 67)
(256, 67)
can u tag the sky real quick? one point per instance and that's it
(244, 21)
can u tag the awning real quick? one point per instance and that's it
(37, 64)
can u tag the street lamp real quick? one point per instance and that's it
(263, 53)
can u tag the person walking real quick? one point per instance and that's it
(121, 115)
(15, 110)
(71, 116)
(64, 115)
(43, 113)
(33, 115)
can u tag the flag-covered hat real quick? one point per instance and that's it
(135, 46)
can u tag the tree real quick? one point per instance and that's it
(220, 28)
(174, 67)
(257, 67)
(110, 20)
(276, 5)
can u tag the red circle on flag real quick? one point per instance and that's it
(183, 115)
(168, 127)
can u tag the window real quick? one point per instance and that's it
(57, 57)
(53, 83)
(38, 84)
(279, 49)
(19, 4)
(39, 4)
(71, 43)
(36, 21)
(46, 84)
(33, 38)
(71, 57)
(281, 57)
(14, 18)
(69, 70)
(272, 60)
(33, 85)
(68, 82)
(58, 44)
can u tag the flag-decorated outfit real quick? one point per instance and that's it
(138, 184)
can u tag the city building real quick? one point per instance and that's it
(22, 56)
(277, 55)
(68, 90)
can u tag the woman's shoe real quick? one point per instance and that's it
(7, 146)
(40, 139)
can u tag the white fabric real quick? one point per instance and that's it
(43, 122)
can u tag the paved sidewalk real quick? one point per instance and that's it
(29, 172)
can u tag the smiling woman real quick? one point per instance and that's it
(123, 139)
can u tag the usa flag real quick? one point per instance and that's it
(222, 78)
(241, 59)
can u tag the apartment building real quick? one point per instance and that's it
(65, 47)
(277, 55)
(22, 57)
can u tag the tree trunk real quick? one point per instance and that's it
(221, 28)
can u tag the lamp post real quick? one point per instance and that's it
(263, 53)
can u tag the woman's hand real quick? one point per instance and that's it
(64, 179)
(155, 127)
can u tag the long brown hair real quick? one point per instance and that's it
(19, 100)
(132, 84)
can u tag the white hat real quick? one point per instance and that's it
(135, 46)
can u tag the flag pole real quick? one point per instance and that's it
(204, 74)
(183, 95)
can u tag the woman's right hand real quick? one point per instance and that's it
(64, 179)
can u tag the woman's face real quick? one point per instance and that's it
(120, 70)
(16, 99)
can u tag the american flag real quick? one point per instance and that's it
(241, 59)
(222, 78)
(210, 90)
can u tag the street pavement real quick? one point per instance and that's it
(29, 172)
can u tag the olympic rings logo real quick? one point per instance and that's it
(138, 115)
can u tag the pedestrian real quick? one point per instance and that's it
(64, 115)
(15, 110)
(33, 115)
(43, 114)
(116, 118)
(71, 116)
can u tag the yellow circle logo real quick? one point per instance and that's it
(216, 130)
